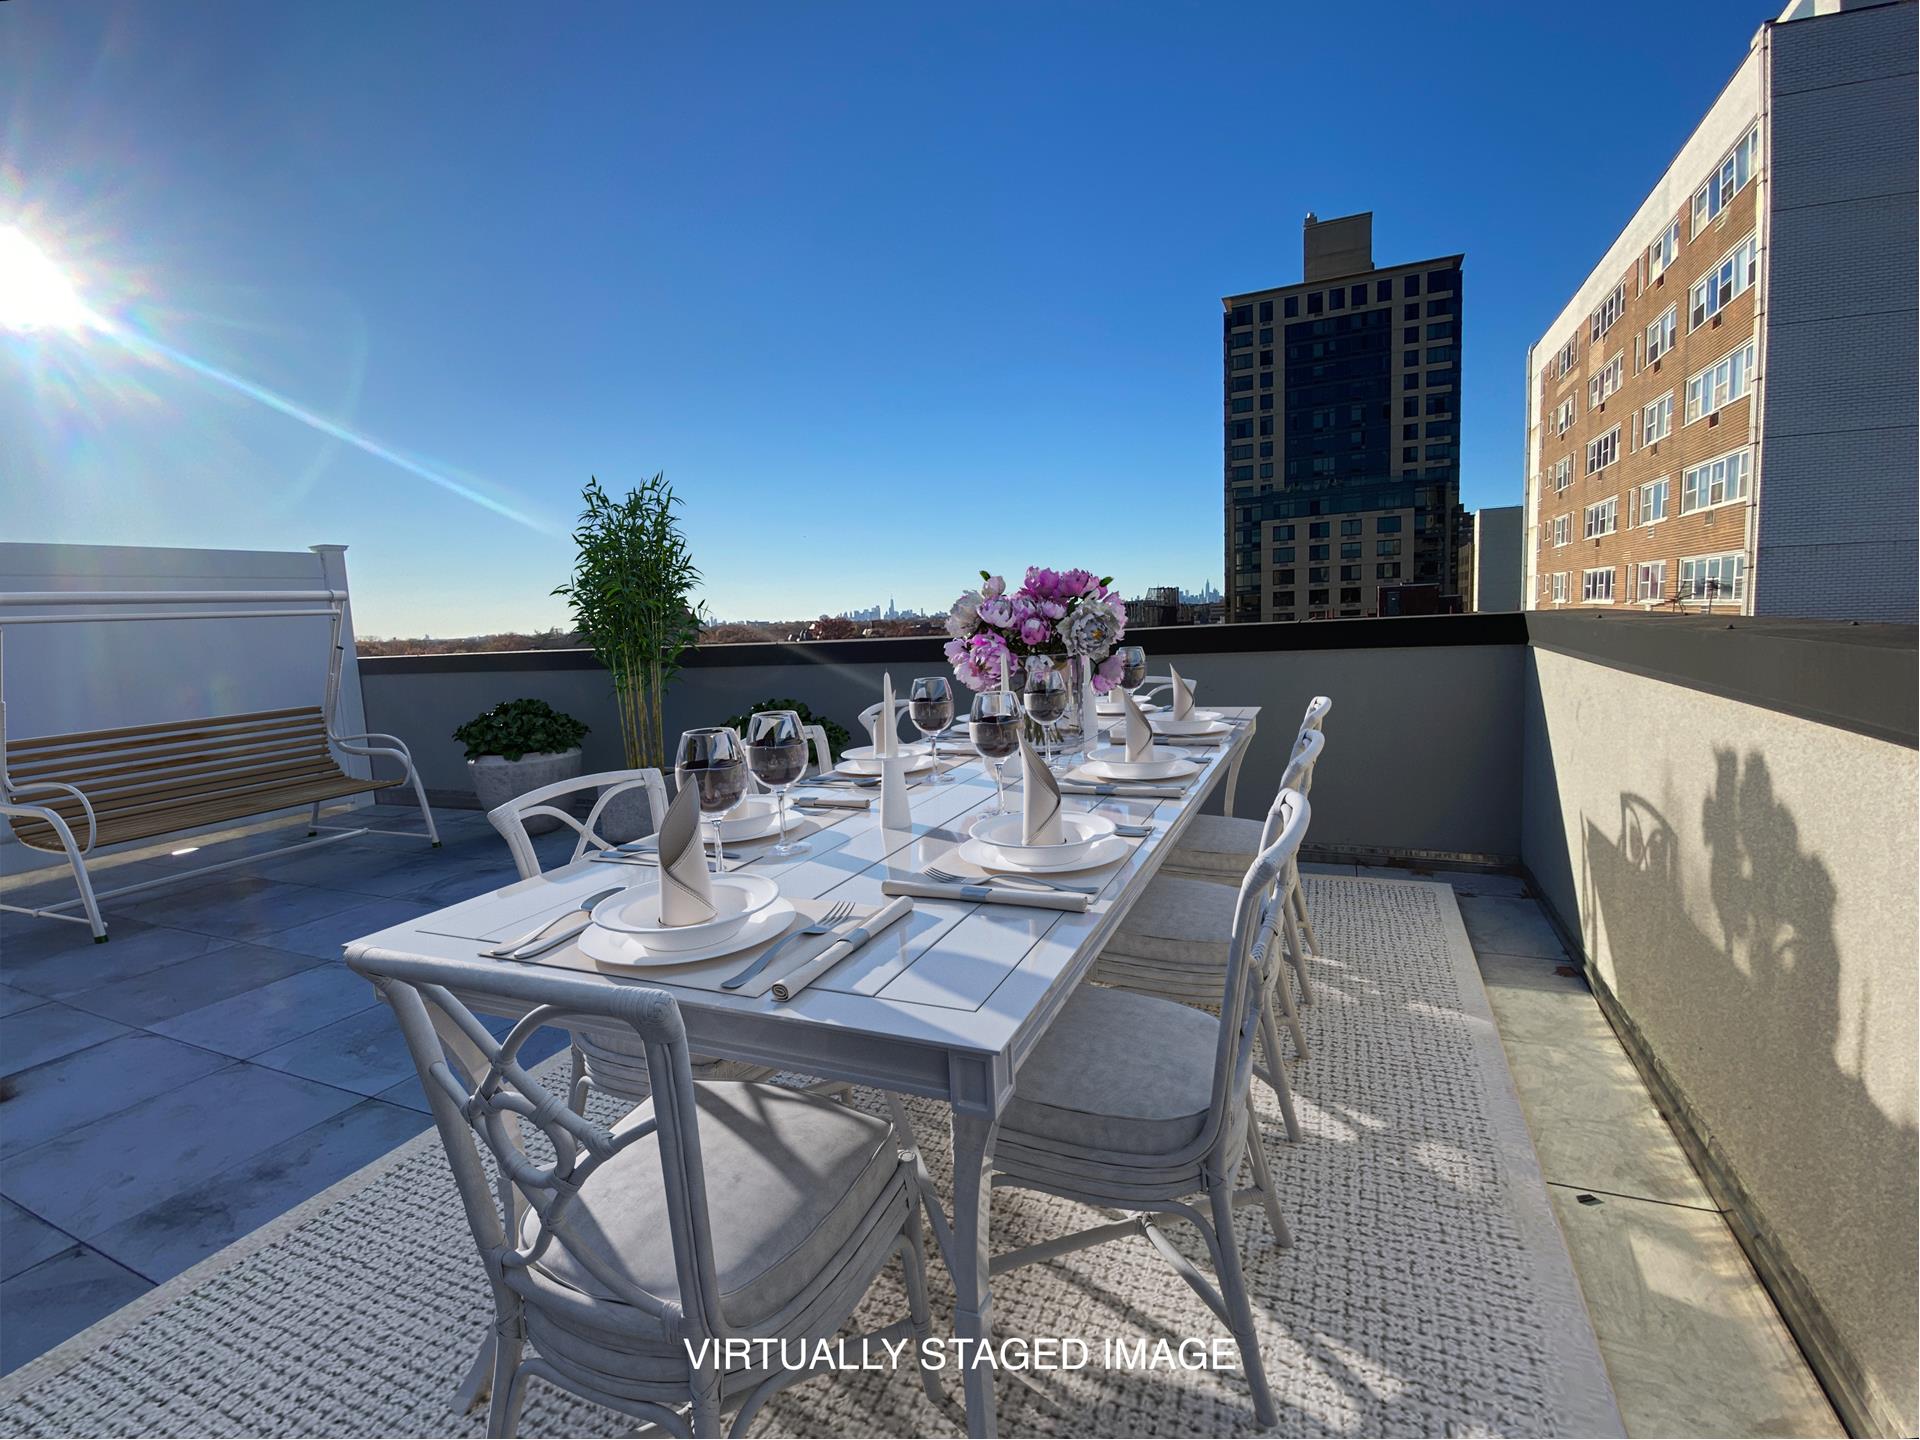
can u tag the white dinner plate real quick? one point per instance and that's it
(754, 818)
(1174, 729)
(1200, 722)
(860, 759)
(1105, 851)
(637, 912)
(1082, 830)
(1110, 706)
(1177, 768)
(1110, 762)
(617, 947)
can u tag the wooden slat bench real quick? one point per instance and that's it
(144, 781)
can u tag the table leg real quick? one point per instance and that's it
(973, 1137)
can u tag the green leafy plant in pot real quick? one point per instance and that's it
(632, 600)
(517, 746)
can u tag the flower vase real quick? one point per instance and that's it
(1070, 735)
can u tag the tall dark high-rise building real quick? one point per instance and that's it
(1342, 415)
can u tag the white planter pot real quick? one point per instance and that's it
(497, 780)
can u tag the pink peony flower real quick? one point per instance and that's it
(994, 587)
(1034, 630)
(996, 612)
(1107, 674)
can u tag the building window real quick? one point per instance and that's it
(1337, 298)
(1596, 586)
(1410, 285)
(1561, 473)
(1663, 252)
(1650, 580)
(1389, 571)
(1317, 574)
(1656, 420)
(1316, 552)
(1266, 312)
(1319, 529)
(1729, 178)
(1661, 332)
(1350, 595)
(1607, 314)
(1712, 292)
(1560, 587)
(1603, 451)
(1243, 405)
(1603, 518)
(1713, 577)
(1385, 549)
(1283, 555)
(1387, 525)
(1562, 530)
(1726, 380)
(1606, 382)
(1283, 532)
(1314, 303)
(1283, 577)
(1350, 527)
(1266, 469)
(1719, 481)
(1284, 600)
(1563, 417)
(1349, 572)
(1568, 357)
(1650, 502)
(1349, 549)
(1291, 306)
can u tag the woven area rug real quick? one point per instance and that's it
(1428, 1291)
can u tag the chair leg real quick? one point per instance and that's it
(705, 1416)
(82, 881)
(1278, 991)
(426, 810)
(577, 1087)
(509, 1385)
(913, 1266)
(1263, 1178)
(313, 819)
(1276, 1073)
(1233, 1290)
(1306, 920)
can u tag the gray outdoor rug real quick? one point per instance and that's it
(1428, 1291)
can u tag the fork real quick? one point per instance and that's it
(839, 914)
(543, 938)
(945, 878)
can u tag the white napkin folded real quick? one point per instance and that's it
(886, 727)
(1040, 800)
(1139, 732)
(1182, 695)
(686, 889)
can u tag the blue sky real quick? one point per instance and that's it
(891, 292)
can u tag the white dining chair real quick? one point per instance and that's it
(1220, 847)
(870, 720)
(1133, 1103)
(714, 1211)
(602, 1060)
(1176, 943)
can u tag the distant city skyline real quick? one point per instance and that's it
(825, 269)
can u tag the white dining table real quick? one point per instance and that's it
(946, 1004)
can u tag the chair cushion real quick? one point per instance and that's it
(1179, 921)
(1222, 845)
(789, 1179)
(1118, 1072)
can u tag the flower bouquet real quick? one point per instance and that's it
(1068, 620)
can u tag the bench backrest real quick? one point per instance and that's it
(150, 769)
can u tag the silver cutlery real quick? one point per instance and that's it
(838, 915)
(543, 937)
(865, 782)
(943, 877)
(622, 855)
(1133, 832)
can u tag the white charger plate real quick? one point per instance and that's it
(1110, 762)
(616, 947)
(1173, 729)
(1002, 832)
(1105, 851)
(636, 912)
(860, 759)
(1110, 706)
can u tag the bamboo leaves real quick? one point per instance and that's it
(632, 601)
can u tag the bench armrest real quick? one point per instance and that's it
(393, 745)
(14, 792)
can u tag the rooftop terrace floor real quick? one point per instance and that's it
(221, 1011)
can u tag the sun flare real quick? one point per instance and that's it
(34, 294)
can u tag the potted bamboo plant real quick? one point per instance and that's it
(632, 600)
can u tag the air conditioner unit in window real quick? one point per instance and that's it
(1713, 419)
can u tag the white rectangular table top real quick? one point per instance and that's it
(945, 1004)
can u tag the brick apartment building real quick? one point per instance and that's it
(1724, 416)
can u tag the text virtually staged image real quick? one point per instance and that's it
(1040, 720)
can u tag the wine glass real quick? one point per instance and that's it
(1133, 667)
(994, 728)
(777, 756)
(713, 760)
(1045, 699)
(930, 707)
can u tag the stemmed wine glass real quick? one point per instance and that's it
(930, 707)
(1133, 667)
(713, 760)
(777, 755)
(994, 728)
(1046, 703)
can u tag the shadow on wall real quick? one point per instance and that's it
(1791, 1049)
